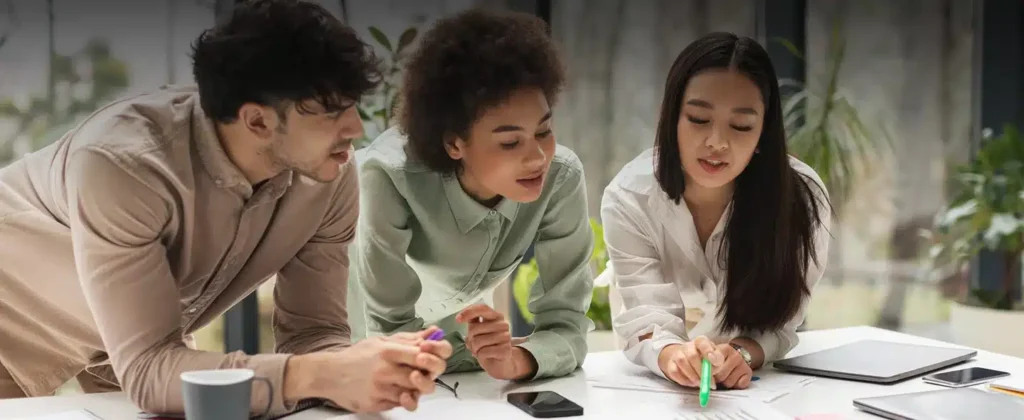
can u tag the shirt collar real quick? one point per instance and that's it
(220, 168)
(467, 211)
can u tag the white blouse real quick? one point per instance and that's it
(668, 283)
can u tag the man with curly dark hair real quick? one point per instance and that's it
(161, 211)
(456, 194)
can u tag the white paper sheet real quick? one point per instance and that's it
(64, 415)
(769, 387)
(437, 406)
(726, 409)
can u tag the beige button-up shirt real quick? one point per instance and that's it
(135, 229)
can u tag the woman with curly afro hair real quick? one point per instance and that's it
(455, 194)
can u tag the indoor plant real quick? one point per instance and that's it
(377, 108)
(599, 311)
(986, 213)
(827, 130)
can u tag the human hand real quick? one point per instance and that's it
(375, 374)
(682, 362)
(489, 340)
(439, 348)
(733, 372)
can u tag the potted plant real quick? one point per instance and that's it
(377, 108)
(602, 338)
(986, 213)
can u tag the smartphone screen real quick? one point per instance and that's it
(966, 376)
(545, 404)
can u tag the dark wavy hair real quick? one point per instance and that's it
(775, 212)
(465, 64)
(276, 52)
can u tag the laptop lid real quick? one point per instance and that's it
(875, 361)
(944, 404)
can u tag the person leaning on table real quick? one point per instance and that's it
(716, 236)
(461, 188)
(161, 211)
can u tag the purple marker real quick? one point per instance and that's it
(436, 335)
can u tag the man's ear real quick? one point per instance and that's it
(260, 120)
(455, 146)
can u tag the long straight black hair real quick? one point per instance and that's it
(770, 234)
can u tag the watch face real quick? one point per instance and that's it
(743, 352)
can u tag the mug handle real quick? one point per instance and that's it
(270, 396)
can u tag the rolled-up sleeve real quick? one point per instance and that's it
(310, 313)
(118, 212)
(560, 298)
(776, 344)
(390, 287)
(651, 304)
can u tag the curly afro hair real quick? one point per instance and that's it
(280, 52)
(466, 64)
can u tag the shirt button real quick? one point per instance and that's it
(191, 310)
(492, 212)
(219, 182)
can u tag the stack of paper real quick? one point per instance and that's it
(733, 410)
(769, 387)
(440, 405)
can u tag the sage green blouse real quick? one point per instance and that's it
(425, 250)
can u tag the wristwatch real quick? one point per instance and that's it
(743, 353)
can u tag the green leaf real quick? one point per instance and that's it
(789, 46)
(364, 114)
(405, 39)
(600, 309)
(526, 276)
(9, 109)
(381, 38)
(391, 103)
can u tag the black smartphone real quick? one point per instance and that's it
(964, 377)
(545, 404)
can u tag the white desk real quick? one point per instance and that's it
(821, 396)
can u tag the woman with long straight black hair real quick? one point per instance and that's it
(716, 235)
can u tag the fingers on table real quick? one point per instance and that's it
(686, 367)
(678, 373)
(739, 378)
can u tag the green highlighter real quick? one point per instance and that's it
(705, 382)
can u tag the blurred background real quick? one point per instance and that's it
(893, 102)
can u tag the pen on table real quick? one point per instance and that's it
(435, 336)
(705, 382)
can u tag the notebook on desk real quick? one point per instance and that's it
(881, 362)
(945, 404)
